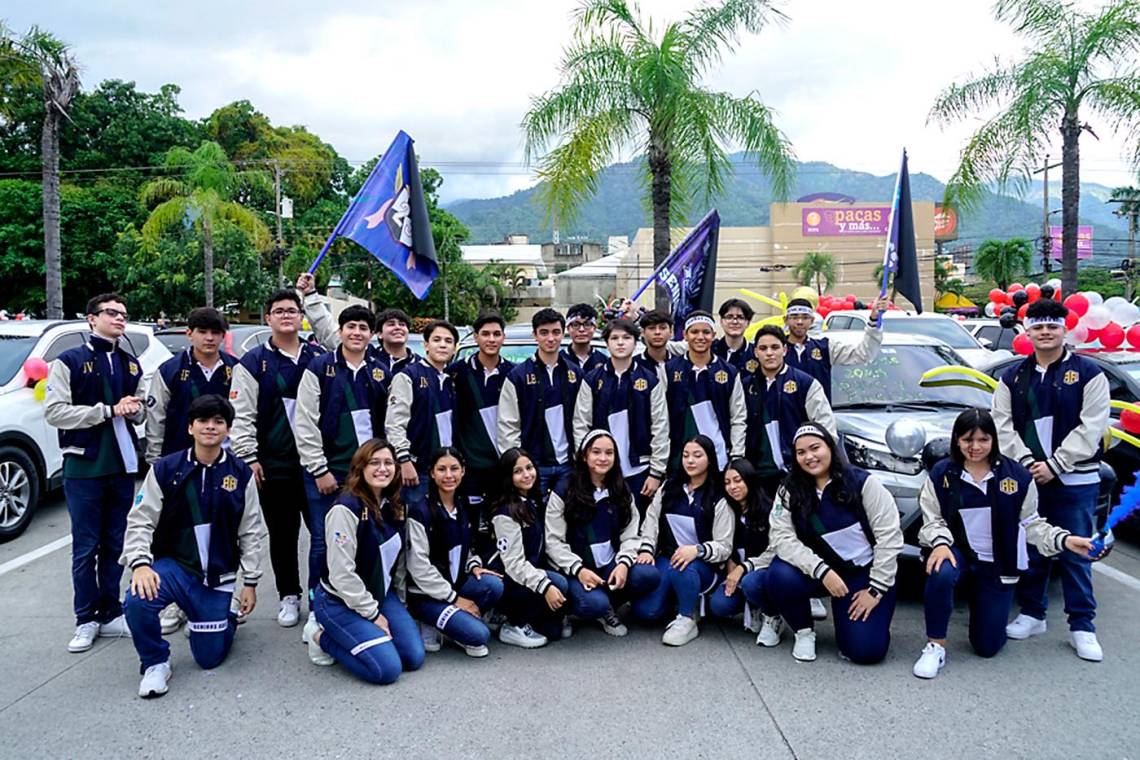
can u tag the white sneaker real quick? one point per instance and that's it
(154, 680)
(818, 610)
(310, 628)
(567, 628)
(932, 659)
(289, 611)
(525, 636)
(1024, 626)
(318, 656)
(612, 624)
(1088, 648)
(171, 619)
(479, 651)
(116, 629)
(430, 636)
(680, 631)
(770, 628)
(804, 647)
(754, 621)
(84, 637)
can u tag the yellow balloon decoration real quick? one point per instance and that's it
(803, 291)
(39, 391)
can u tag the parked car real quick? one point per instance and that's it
(946, 329)
(30, 461)
(239, 339)
(518, 344)
(991, 334)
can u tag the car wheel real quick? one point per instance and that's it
(19, 491)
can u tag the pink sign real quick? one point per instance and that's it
(1084, 241)
(846, 221)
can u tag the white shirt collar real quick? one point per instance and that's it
(979, 484)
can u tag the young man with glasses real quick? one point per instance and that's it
(95, 398)
(581, 323)
(735, 316)
(815, 356)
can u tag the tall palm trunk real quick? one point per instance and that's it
(1070, 199)
(208, 260)
(49, 145)
(661, 171)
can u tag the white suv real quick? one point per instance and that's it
(30, 462)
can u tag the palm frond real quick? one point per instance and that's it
(1036, 18)
(697, 140)
(162, 189)
(1111, 35)
(164, 216)
(563, 109)
(958, 101)
(1118, 100)
(751, 124)
(570, 171)
(713, 29)
(248, 221)
(617, 15)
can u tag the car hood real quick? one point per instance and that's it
(983, 358)
(872, 424)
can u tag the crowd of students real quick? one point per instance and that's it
(447, 500)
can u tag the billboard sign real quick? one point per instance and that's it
(945, 222)
(845, 221)
(1084, 241)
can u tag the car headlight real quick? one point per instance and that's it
(869, 456)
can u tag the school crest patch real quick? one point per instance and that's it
(721, 377)
(571, 376)
(1008, 486)
(1071, 377)
(340, 538)
(233, 395)
(790, 386)
(133, 368)
(640, 384)
(817, 354)
(229, 483)
(752, 365)
(378, 374)
(676, 375)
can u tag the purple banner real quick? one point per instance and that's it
(845, 221)
(1084, 241)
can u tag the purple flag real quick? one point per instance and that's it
(690, 272)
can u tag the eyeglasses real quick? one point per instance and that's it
(377, 462)
(285, 313)
(580, 325)
(113, 313)
(733, 318)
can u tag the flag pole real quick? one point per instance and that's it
(890, 228)
(320, 256)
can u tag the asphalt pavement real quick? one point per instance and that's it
(721, 696)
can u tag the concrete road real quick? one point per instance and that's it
(720, 696)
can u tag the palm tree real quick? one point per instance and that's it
(38, 57)
(1075, 62)
(628, 84)
(200, 198)
(1001, 261)
(818, 266)
(943, 281)
(1129, 200)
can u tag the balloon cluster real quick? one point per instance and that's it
(1091, 317)
(36, 371)
(828, 304)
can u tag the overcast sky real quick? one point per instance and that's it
(851, 81)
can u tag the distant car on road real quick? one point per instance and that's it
(946, 329)
(991, 334)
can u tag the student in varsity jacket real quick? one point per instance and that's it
(815, 356)
(835, 530)
(448, 587)
(745, 587)
(1051, 411)
(581, 322)
(478, 384)
(195, 524)
(656, 333)
(979, 509)
(536, 406)
(421, 406)
(362, 621)
(628, 400)
(533, 597)
(780, 399)
(94, 399)
(592, 536)
(735, 316)
(688, 534)
(705, 396)
(264, 395)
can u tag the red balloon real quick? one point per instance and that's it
(1034, 291)
(1021, 311)
(1022, 345)
(1071, 320)
(1112, 335)
(824, 310)
(997, 295)
(1016, 287)
(851, 299)
(1133, 335)
(1078, 304)
(1130, 421)
(1093, 335)
(1057, 295)
(35, 369)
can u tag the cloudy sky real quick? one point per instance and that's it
(851, 81)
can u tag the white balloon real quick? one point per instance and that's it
(1120, 311)
(1094, 298)
(990, 307)
(1096, 318)
(1055, 282)
(1077, 335)
(1130, 314)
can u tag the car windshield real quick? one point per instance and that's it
(1132, 370)
(892, 378)
(14, 349)
(950, 333)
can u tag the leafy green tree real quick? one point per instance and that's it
(1076, 63)
(944, 282)
(1129, 208)
(816, 267)
(1000, 261)
(626, 83)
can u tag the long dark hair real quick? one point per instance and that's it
(966, 423)
(714, 480)
(433, 489)
(355, 485)
(580, 504)
(756, 506)
(800, 485)
(514, 501)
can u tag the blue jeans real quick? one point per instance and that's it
(361, 646)
(990, 602)
(319, 505)
(864, 642)
(591, 605)
(1071, 508)
(521, 606)
(459, 625)
(681, 587)
(211, 625)
(553, 478)
(751, 589)
(98, 509)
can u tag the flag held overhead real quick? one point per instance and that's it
(901, 253)
(689, 273)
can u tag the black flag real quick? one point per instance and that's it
(901, 255)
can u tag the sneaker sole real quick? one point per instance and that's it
(1086, 659)
(432, 647)
(287, 623)
(523, 644)
(157, 694)
(926, 677)
(80, 650)
(1023, 637)
(477, 652)
(768, 644)
(797, 658)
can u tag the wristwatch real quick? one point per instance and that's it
(874, 592)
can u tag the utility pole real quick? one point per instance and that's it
(1046, 238)
(279, 248)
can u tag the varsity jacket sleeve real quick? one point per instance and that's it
(857, 353)
(630, 539)
(818, 408)
(761, 562)
(321, 320)
(651, 524)
(787, 544)
(934, 531)
(557, 550)
(583, 413)
(141, 522)
(60, 413)
(158, 396)
(883, 517)
(399, 415)
(724, 525)
(509, 539)
(141, 391)
(423, 573)
(243, 394)
(510, 424)
(676, 348)
(1011, 444)
(340, 528)
(310, 444)
(1085, 439)
(738, 420)
(658, 432)
(251, 533)
(1048, 539)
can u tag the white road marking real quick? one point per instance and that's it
(43, 551)
(1111, 572)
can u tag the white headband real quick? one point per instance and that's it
(808, 429)
(1030, 321)
(591, 437)
(699, 319)
(798, 309)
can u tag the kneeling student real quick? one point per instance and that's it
(195, 522)
(448, 587)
